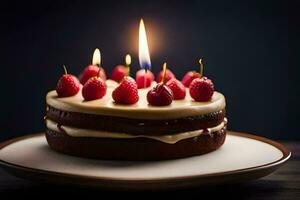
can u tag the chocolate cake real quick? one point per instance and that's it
(105, 130)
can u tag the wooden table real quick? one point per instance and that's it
(282, 184)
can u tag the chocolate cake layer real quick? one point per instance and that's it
(134, 148)
(135, 126)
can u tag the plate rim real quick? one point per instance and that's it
(14, 168)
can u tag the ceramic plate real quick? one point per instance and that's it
(243, 157)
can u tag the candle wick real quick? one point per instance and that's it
(65, 69)
(145, 78)
(98, 65)
(128, 70)
(164, 73)
(201, 67)
(127, 64)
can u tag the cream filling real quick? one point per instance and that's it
(170, 139)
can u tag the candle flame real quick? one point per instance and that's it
(144, 56)
(128, 59)
(96, 57)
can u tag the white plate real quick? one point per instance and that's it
(242, 157)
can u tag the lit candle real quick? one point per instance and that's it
(94, 69)
(127, 63)
(144, 56)
(97, 62)
(144, 77)
(120, 70)
(96, 57)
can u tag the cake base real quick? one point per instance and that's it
(134, 148)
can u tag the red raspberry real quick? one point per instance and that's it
(141, 76)
(126, 92)
(91, 71)
(68, 85)
(201, 89)
(189, 77)
(94, 88)
(169, 75)
(160, 95)
(118, 73)
(177, 88)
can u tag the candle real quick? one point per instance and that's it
(96, 57)
(94, 69)
(127, 91)
(97, 60)
(164, 80)
(144, 77)
(127, 63)
(120, 70)
(191, 75)
(201, 66)
(144, 56)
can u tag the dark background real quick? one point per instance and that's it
(245, 45)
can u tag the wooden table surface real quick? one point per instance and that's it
(282, 184)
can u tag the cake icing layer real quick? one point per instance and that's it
(140, 110)
(170, 139)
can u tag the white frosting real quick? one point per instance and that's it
(111, 83)
(140, 110)
(170, 139)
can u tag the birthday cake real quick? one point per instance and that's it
(106, 119)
